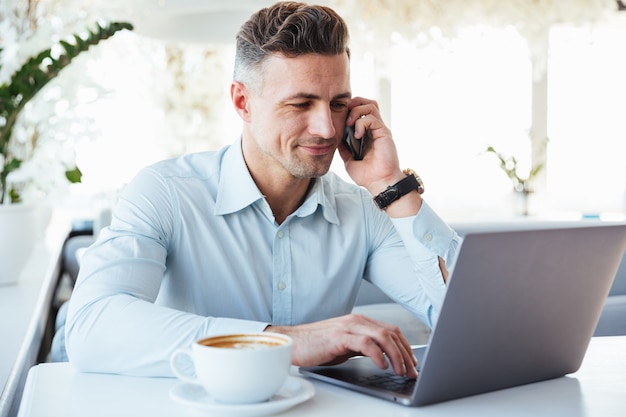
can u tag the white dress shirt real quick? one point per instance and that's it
(194, 250)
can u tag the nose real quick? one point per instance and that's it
(321, 123)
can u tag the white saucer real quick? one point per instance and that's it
(294, 391)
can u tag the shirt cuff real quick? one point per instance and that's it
(426, 234)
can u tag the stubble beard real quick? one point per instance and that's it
(313, 167)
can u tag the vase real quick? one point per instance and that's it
(521, 203)
(20, 230)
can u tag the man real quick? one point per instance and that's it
(259, 236)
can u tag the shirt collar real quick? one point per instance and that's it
(237, 189)
(320, 195)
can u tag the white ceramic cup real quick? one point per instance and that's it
(237, 368)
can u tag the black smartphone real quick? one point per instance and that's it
(356, 146)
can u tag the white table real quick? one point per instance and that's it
(597, 389)
(24, 311)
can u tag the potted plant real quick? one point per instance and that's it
(17, 221)
(521, 184)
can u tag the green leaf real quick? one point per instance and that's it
(14, 196)
(74, 175)
(13, 165)
(69, 48)
(34, 74)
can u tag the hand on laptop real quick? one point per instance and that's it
(335, 340)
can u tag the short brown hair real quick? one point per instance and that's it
(291, 29)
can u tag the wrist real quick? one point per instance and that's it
(381, 185)
(411, 184)
(407, 206)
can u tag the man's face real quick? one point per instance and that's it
(297, 116)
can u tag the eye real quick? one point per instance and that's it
(301, 105)
(339, 105)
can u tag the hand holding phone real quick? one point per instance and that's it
(356, 146)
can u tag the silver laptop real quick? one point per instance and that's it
(521, 307)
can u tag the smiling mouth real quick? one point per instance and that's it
(318, 149)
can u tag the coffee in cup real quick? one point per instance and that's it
(236, 368)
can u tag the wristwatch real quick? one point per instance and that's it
(399, 189)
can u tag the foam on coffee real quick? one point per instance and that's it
(242, 342)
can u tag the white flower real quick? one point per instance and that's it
(431, 20)
(413, 18)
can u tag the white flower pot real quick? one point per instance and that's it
(521, 203)
(20, 229)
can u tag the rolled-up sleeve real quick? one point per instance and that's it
(427, 238)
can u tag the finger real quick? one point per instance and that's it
(357, 114)
(361, 107)
(404, 343)
(367, 346)
(360, 126)
(401, 360)
(397, 348)
(362, 101)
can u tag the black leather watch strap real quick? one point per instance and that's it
(394, 192)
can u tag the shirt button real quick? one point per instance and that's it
(282, 285)
(280, 234)
(428, 237)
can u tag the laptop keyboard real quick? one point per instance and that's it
(390, 382)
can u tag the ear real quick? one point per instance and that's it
(240, 96)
